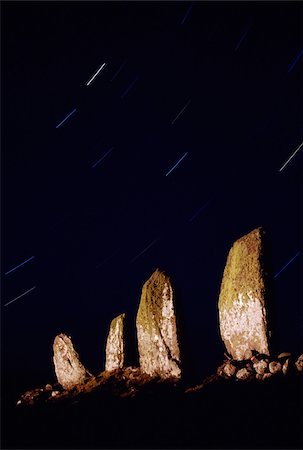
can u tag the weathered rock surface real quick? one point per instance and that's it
(156, 329)
(69, 370)
(115, 345)
(285, 367)
(242, 312)
(261, 366)
(299, 363)
(275, 367)
(244, 374)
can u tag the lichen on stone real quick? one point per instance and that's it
(242, 312)
(156, 328)
(115, 345)
(69, 370)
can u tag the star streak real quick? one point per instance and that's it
(104, 156)
(118, 71)
(19, 296)
(193, 217)
(187, 13)
(287, 264)
(130, 86)
(19, 265)
(177, 163)
(183, 109)
(144, 250)
(291, 157)
(294, 62)
(70, 114)
(95, 75)
(243, 36)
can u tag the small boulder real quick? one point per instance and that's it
(274, 367)
(299, 363)
(244, 374)
(284, 355)
(285, 368)
(267, 375)
(229, 369)
(261, 366)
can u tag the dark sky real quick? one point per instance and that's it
(235, 69)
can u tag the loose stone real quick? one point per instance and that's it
(275, 367)
(299, 363)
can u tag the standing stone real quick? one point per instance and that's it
(156, 329)
(242, 313)
(115, 345)
(69, 370)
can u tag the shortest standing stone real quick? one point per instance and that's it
(275, 367)
(115, 346)
(69, 370)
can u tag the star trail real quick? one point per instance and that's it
(19, 265)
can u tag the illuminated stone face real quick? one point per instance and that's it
(115, 345)
(242, 313)
(69, 370)
(156, 329)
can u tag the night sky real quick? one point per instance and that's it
(92, 199)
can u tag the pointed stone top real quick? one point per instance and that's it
(158, 273)
(117, 319)
(243, 270)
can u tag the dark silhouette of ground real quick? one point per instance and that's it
(223, 414)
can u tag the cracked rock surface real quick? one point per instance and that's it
(69, 370)
(242, 312)
(115, 345)
(156, 329)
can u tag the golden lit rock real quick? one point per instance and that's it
(115, 345)
(156, 329)
(69, 370)
(242, 312)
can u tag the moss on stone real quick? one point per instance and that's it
(149, 312)
(243, 271)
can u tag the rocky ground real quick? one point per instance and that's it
(234, 408)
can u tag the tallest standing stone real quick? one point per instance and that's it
(156, 328)
(242, 312)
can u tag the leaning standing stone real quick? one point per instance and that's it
(242, 312)
(156, 328)
(69, 370)
(115, 345)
